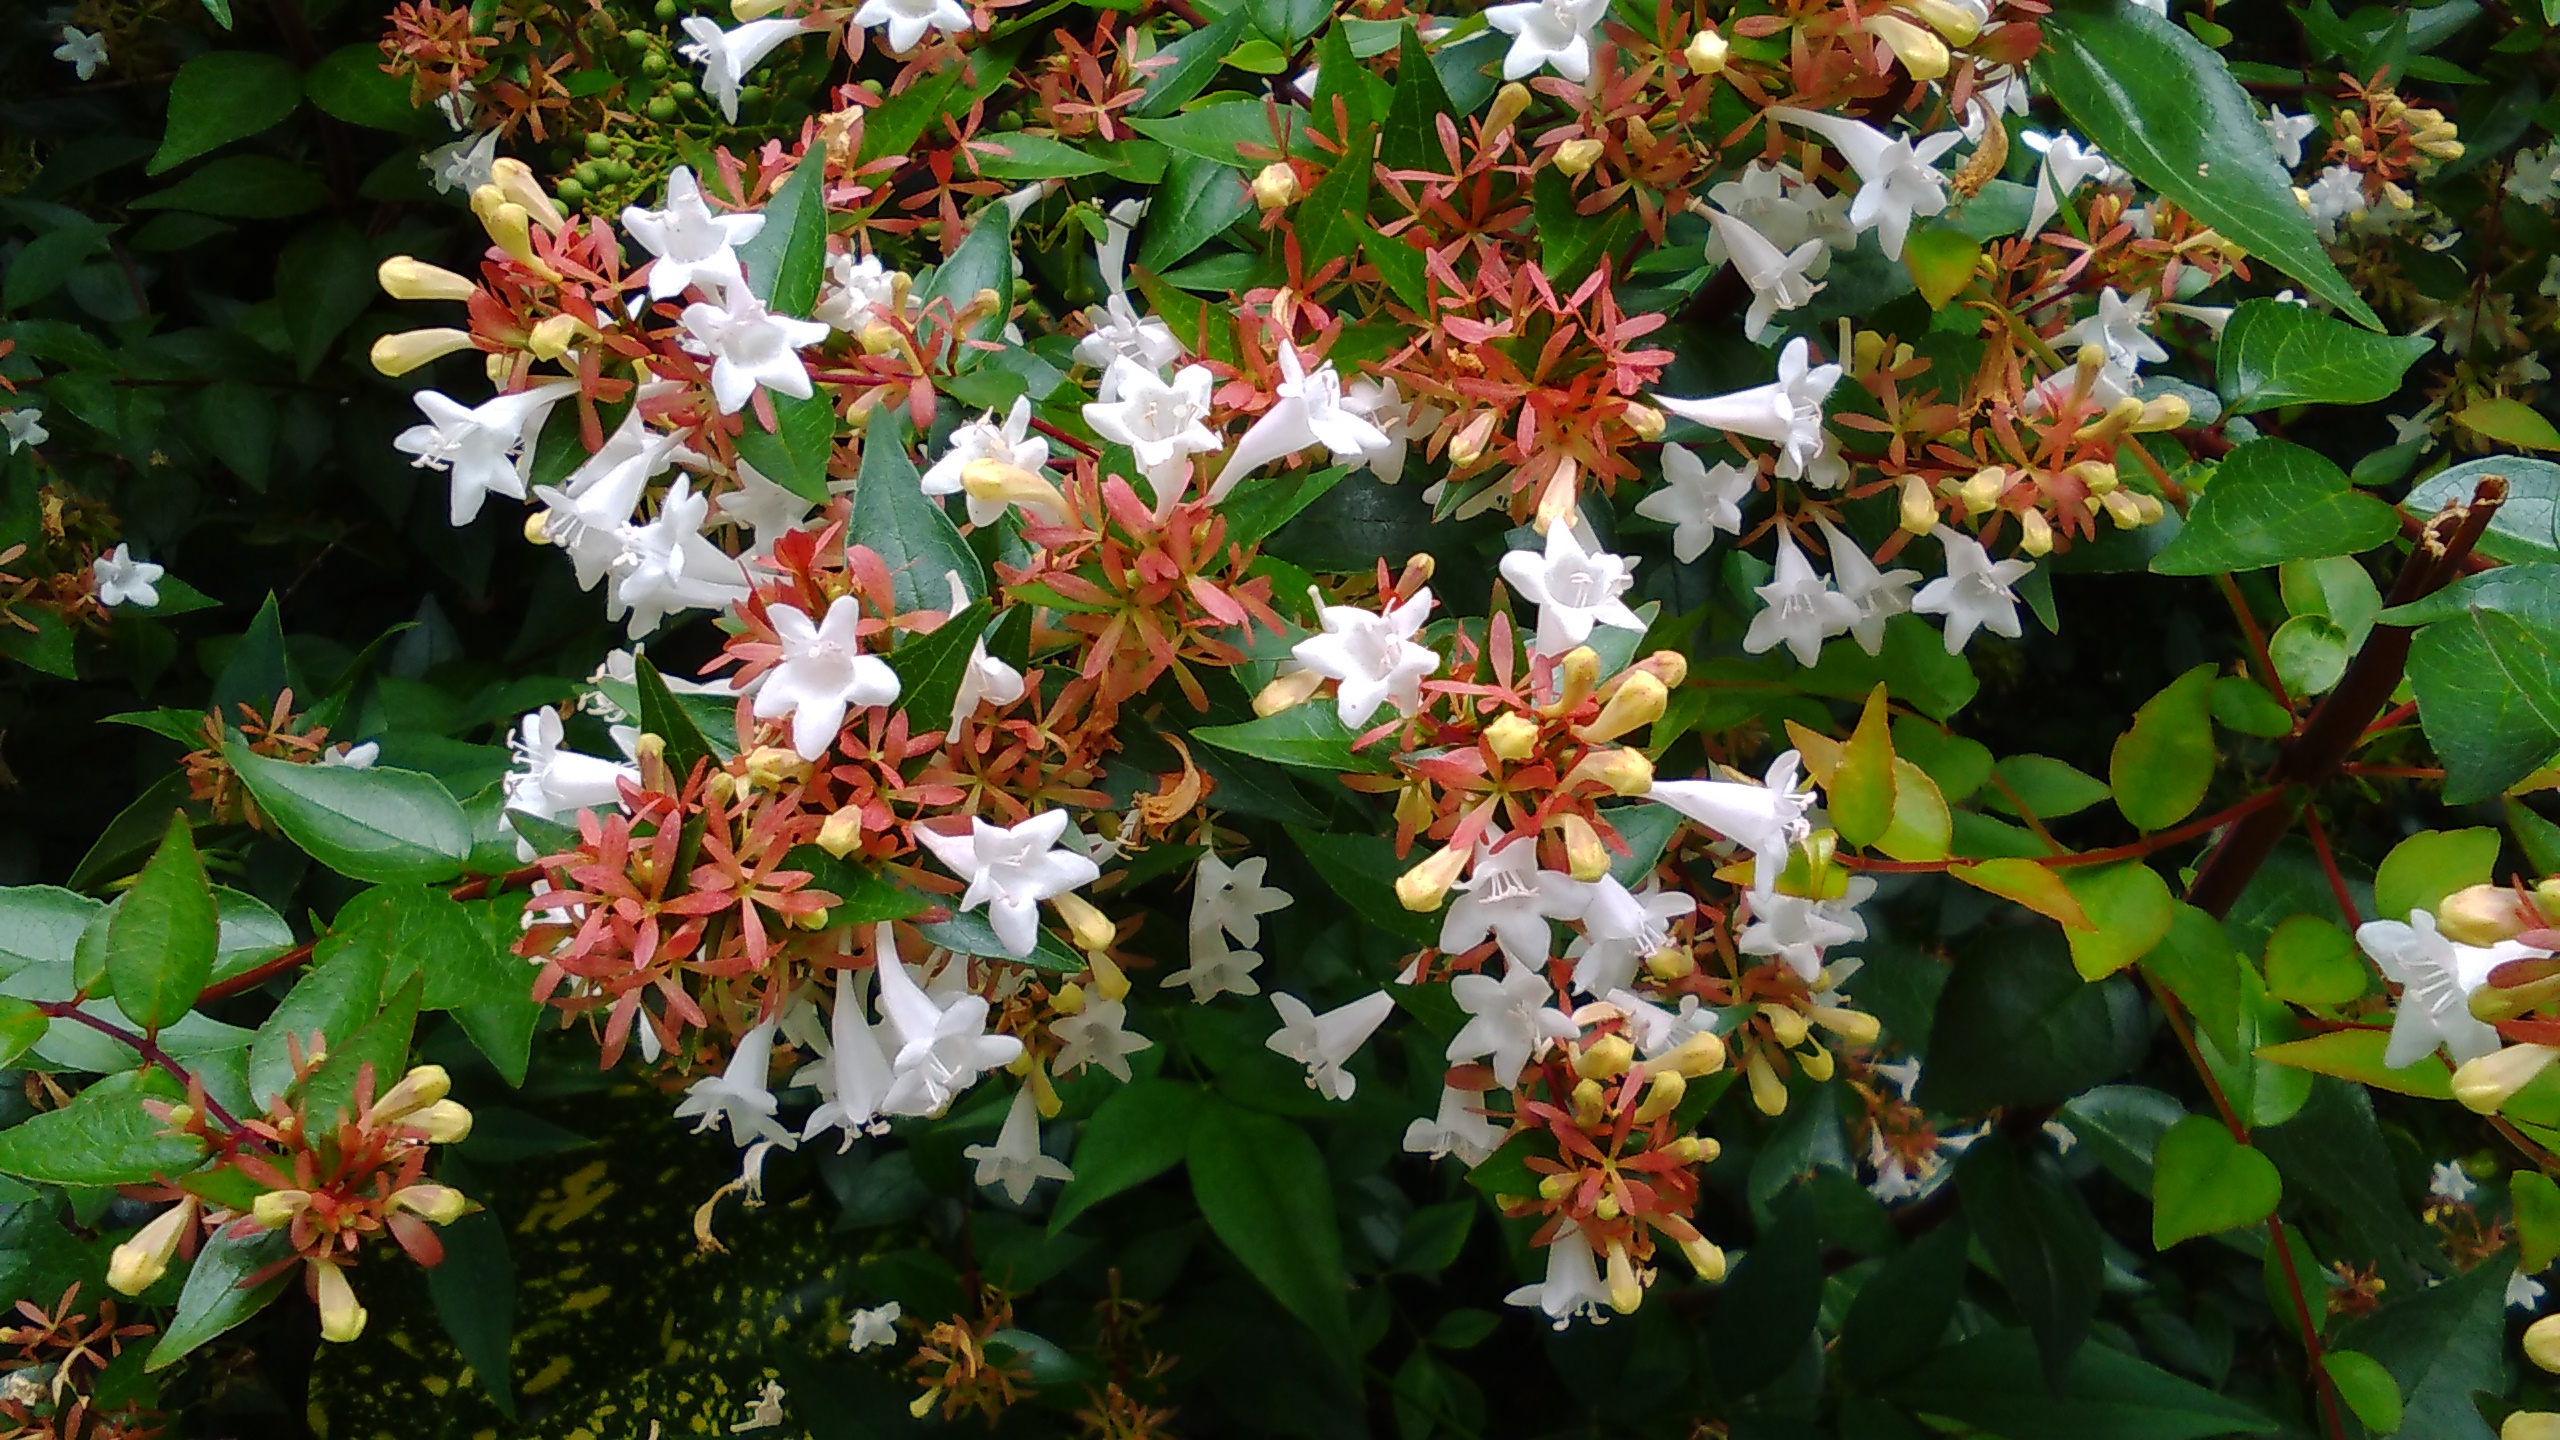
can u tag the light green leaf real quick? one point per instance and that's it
(2508, 421)
(2310, 961)
(39, 924)
(2357, 1055)
(1032, 157)
(2045, 787)
(216, 1299)
(2367, 1388)
(1218, 132)
(371, 824)
(222, 96)
(2161, 767)
(2426, 867)
(21, 1026)
(103, 1137)
(1199, 199)
(1310, 736)
(1861, 789)
(2204, 1182)
(161, 938)
(2130, 905)
(2278, 353)
(2273, 501)
(331, 1001)
(2537, 1205)
(2524, 527)
(2310, 654)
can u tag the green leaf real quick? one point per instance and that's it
(2358, 1055)
(103, 1137)
(1033, 157)
(1263, 1187)
(1218, 132)
(2164, 107)
(1861, 789)
(217, 1296)
(1310, 736)
(2041, 1239)
(46, 261)
(2043, 786)
(2310, 653)
(2442, 1345)
(332, 1000)
(931, 667)
(40, 924)
(2423, 869)
(1410, 139)
(2273, 501)
(662, 716)
(2367, 1388)
(2130, 905)
(787, 259)
(968, 932)
(2333, 1151)
(2537, 1205)
(1767, 1307)
(1199, 199)
(2508, 421)
(2488, 688)
(350, 84)
(1334, 217)
(372, 824)
(893, 515)
(1942, 260)
(21, 1025)
(1191, 63)
(475, 1296)
(1139, 1133)
(379, 1046)
(468, 968)
(2524, 527)
(244, 187)
(1264, 503)
(2109, 1395)
(2277, 353)
(222, 96)
(2160, 768)
(1901, 1313)
(2016, 1025)
(161, 938)
(984, 261)
(795, 453)
(2310, 961)
(2204, 1182)
(2122, 1126)
(1362, 870)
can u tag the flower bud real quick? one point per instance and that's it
(2482, 915)
(1470, 443)
(1959, 23)
(1590, 1111)
(1624, 1293)
(445, 1122)
(2486, 1084)
(1276, 187)
(2531, 1425)
(1984, 490)
(1785, 1024)
(1919, 513)
(2035, 533)
(1560, 497)
(514, 179)
(743, 11)
(1555, 1187)
(406, 279)
(552, 338)
(1923, 55)
(1586, 858)
(1696, 1058)
(1577, 675)
(1706, 53)
(1661, 1097)
(1091, 928)
(2122, 509)
(1671, 962)
(2096, 476)
(537, 527)
(996, 481)
(2162, 412)
(1606, 1207)
(435, 1204)
(1768, 1092)
(1508, 102)
(1646, 421)
(277, 1208)
(1512, 737)
(1426, 885)
(1108, 977)
(142, 1260)
(1623, 772)
(1818, 1063)
(510, 228)
(841, 835)
(1639, 701)
(1289, 688)
(1069, 1000)
(1705, 1257)
(2542, 1343)
(405, 350)
(774, 766)
(1576, 157)
(423, 1086)
(1606, 1058)
(341, 1318)
(1855, 1026)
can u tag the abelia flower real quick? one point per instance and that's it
(1010, 869)
(1216, 970)
(1231, 900)
(1777, 278)
(943, 1046)
(739, 1097)
(693, 244)
(667, 565)
(2065, 166)
(1879, 594)
(854, 1075)
(1015, 1162)
(1372, 658)
(823, 674)
(1551, 34)
(1767, 819)
(1325, 1043)
(1575, 585)
(2117, 330)
(1697, 500)
(24, 425)
(1009, 443)
(1161, 421)
(546, 781)
(1974, 593)
(122, 580)
(750, 346)
(588, 512)
(2436, 977)
(858, 290)
(1508, 897)
(728, 57)
(1310, 411)
(1121, 333)
(2287, 132)
(1458, 1128)
(1098, 1034)
(1800, 609)
(1572, 1288)
(1510, 1020)
(1402, 421)
(1797, 931)
(1897, 180)
(483, 446)
(1787, 412)
(767, 511)
(82, 50)
(874, 1327)
(1620, 927)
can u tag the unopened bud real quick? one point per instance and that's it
(1768, 1092)
(276, 1208)
(1923, 55)
(1555, 1187)
(1508, 102)
(402, 351)
(774, 766)
(744, 11)
(1512, 737)
(2542, 1343)
(2096, 476)
(1276, 187)
(2530, 1425)
(996, 481)
(1586, 858)
(142, 1260)
(2162, 412)
(841, 835)
(1786, 1025)
(1623, 772)
(1855, 1026)
(1606, 1207)
(1577, 675)
(510, 228)
(1646, 421)
(1289, 688)
(1919, 514)
(537, 527)
(1624, 1293)
(514, 180)
(1590, 1110)
(1671, 962)
(1705, 1257)
(2483, 915)
(1576, 157)
(1091, 928)
(1639, 701)
(1606, 1058)
(1426, 885)
(1818, 1063)
(1984, 490)
(1469, 444)
(1697, 1057)
(1068, 1001)
(1662, 1097)
(2120, 507)
(552, 338)
(649, 747)
(435, 1204)
(423, 1086)
(445, 1122)
(182, 1117)
(2035, 533)
(406, 279)
(880, 338)
(2486, 1084)
(1705, 53)
(341, 1318)
(2118, 418)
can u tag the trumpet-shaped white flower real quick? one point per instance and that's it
(2116, 329)
(1015, 1162)
(1121, 333)
(874, 1327)
(858, 289)
(83, 51)
(1658, 1031)
(1309, 411)
(24, 425)
(728, 57)
(1216, 970)
(1879, 594)
(1402, 421)
(750, 346)
(1459, 1129)
(1555, 34)
(1008, 443)
(1163, 422)
(484, 446)
(1575, 585)
(352, 757)
(765, 510)
(1620, 927)
(122, 580)
(463, 166)
(1231, 900)
(1506, 896)
(1788, 209)
(667, 565)
(2436, 977)
(1974, 593)
(943, 1046)
(1011, 869)
(2287, 132)
(905, 22)
(1099, 1034)
(1372, 658)
(855, 1076)
(547, 782)
(1777, 278)
(1801, 610)
(1697, 500)
(1573, 1288)
(1767, 819)
(587, 514)
(1510, 1020)
(1897, 181)
(1325, 1043)
(1786, 412)
(1798, 931)
(738, 1097)
(693, 244)
(2066, 166)
(823, 674)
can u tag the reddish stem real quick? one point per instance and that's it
(141, 1045)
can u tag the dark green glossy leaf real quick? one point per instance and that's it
(1310, 736)
(2273, 501)
(794, 455)
(1139, 1133)
(161, 938)
(2016, 1025)
(222, 96)
(2041, 1239)
(2107, 1395)
(787, 259)
(911, 534)
(1262, 1186)
(931, 667)
(2277, 353)
(216, 1297)
(1902, 1311)
(372, 824)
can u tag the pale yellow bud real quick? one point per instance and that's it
(1577, 675)
(1768, 1092)
(2118, 418)
(1705, 1257)
(181, 1116)
(1558, 498)
(2035, 533)
(1470, 443)
(423, 1086)
(1091, 928)
(1068, 1001)
(994, 480)
(880, 338)
(537, 527)
(1697, 1057)
(1606, 1207)
(1606, 1058)
(1287, 689)
(1589, 1108)
(2482, 915)
(1705, 53)
(1276, 187)
(2162, 412)
(1576, 157)
(1508, 102)
(1855, 1026)
(405, 350)
(2148, 509)
(435, 1204)
(1556, 1187)
(2097, 476)
(1586, 858)
(1624, 1293)
(276, 1208)
(1785, 1024)
(552, 338)
(1622, 771)
(841, 835)
(1922, 53)
(2542, 1343)
(142, 1260)
(1984, 490)
(1818, 1063)
(1646, 421)
(514, 179)
(445, 1122)
(774, 766)
(2398, 198)
(1108, 977)
(341, 1318)
(1919, 506)
(2531, 1425)
(2485, 1085)
(1426, 885)
(1960, 24)
(1671, 962)
(649, 747)
(2120, 508)
(1662, 1097)
(510, 228)
(406, 279)
(1639, 701)
(745, 10)
(722, 787)
(1512, 737)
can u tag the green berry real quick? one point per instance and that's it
(682, 90)
(599, 144)
(662, 109)
(636, 39)
(751, 94)
(572, 191)
(653, 64)
(666, 9)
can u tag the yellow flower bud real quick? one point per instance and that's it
(2486, 1084)
(2542, 1343)
(2162, 412)
(435, 1204)
(1661, 1097)
(1646, 421)
(552, 337)
(1555, 1187)
(537, 527)
(1922, 53)
(1508, 102)
(1091, 928)
(1068, 1001)
(1855, 1026)
(2482, 915)
(1785, 1024)
(423, 1086)
(1639, 701)
(1513, 736)
(1276, 186)
(1426, 885)
(510, 228)
(1589, 1109)
(2035, 533)
(1706, 53)
(745, 10)
(2531, 1425)
(1984, 490)
(1470, 443)
(1671, 962)
(841, 835)
(406, 279)
(341, 1318)
(1768, 1092)
(994, 480)
(773, 766)
(2121, 508)
(1287, 689)
(1586, 858)
(142, 1260)
(276, 1208)
(1959, 23)
(514, 179)
(1919, 506)
(445, 1122)
(1818, 1063)
(2097, 476)
(405, 350)
(1705, 1257)
(1621, 771)
(1576, 157)
(1624, 1293)
(1697, 1057)
(1577, 675)
(1606, 1058)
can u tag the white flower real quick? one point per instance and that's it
(1402, 421)
(1897, 181)
(1572, 1288)
(458, 105)
(727, 57)
(2523, 1291)
(2117, 329)
(694, 244)
(987, 680)
(1788, 209)
(1974, 593)
(667, 565)
(907, 21)
(1231, 900)
(1099, 1034)
(1508, 897)
(1879, 594)
(2337, 195)
(2287, 132)
(2535, 180)
(749, 346)
(1309, 411)
(942, 1047)
(2067, 165)
(857, 288)
(1620, 927)
(352, 757)
(1325, 1043)
(2420, 428)
(1801, 609)
(1777, 278)
(855, 1076)
(123, 580)
(1217, 970)
(765, 510)
(1697, 500)
(1015, 1161)
(547, 782)
(1575, 585)
(1008, 443)
(737, 1097)
(1798, 931)
(1011, 869)
(484, 446)
(874, 1327)
(1787, 412)
(1510, 1019)
(1551, 33)
(823, 674)
(2436, 977)
(1162, 422)
(1371, 658)
(1111, 252)
(2446, 1182)
(1766, 819)
(81, 50)
(1458, 1129)
(1121, 333)
(1658, 1031)
(24, 426)
(463, 166)
(587, 513)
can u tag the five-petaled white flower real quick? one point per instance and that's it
(1325, 1043)
(2287, 132)
(1161, 421)
(83, 51)
(1767, 819)
(1371, 658)
(2117, 330)
(1309, 411)
(546, 782)
(1459, 1128)
(24, 425)
(2067, 165)
(943, 1046)
(123, 580)
(2436, 977)
(1798, 931)
(1099, 1034)
(823, 674)
(1009, 442)
(1510, 1020)
(1620, 927)
(1575, 585)
(1778, 278)
(1011, 869)
(464, 165)
(1216, 970)
(749, 346)
(1800, 609)
(1974, 593)
(1506, 896)
(1015, 1162)
(1697, 500)
(1572, 1287)
(906, 21)
(586, 514)
(1551, 33)
(858, 289)
(2446, 1182)
(668, 565)
(1786, 412)
(854, 1075)
(1897, 181)
(1402, 421)
(1879, 594)
(1231, 900)
(484, 446)
(728, 57)
(874, 1327)
(739, 1097)
(1121, 333)
(694, 244)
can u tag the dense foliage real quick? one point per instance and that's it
(1162, 718)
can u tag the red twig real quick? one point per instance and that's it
(141, 1045)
